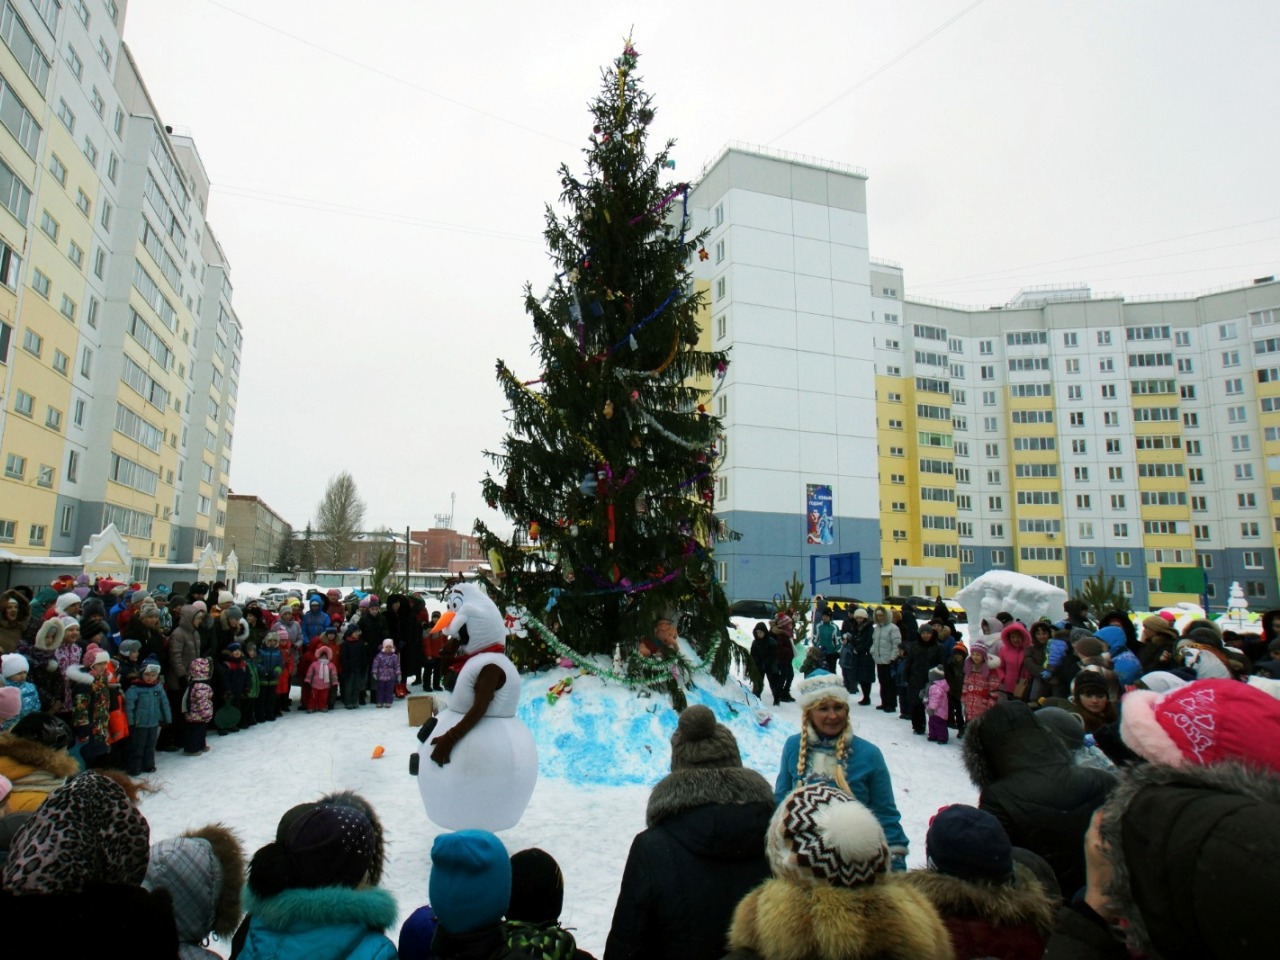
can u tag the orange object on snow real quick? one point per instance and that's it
(378, 751)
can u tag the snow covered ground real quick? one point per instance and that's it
(601, 749)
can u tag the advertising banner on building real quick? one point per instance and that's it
(820, 524)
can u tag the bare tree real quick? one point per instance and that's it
(339, 517)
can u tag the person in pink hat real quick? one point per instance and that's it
(91, 705)
(1202, 724)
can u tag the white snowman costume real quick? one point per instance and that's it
(489, 779)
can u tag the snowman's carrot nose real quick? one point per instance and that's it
(446, 618)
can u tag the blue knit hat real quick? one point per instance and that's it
(470, 883)
(969, 843)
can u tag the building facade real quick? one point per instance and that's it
(788, 274)
(255, 532)
(1083, 435)
(119, 349)
(1060, 435)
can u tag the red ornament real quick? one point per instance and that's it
(702, 253)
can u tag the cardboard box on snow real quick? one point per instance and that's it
(422, 707)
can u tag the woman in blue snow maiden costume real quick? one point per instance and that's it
(826, 751)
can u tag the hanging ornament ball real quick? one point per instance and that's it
(702, 408)
(608, 409)
(597, 129)
(669, 163)
(534, 530)
(702, 253)
(635, 395)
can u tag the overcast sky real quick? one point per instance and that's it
(380, 171)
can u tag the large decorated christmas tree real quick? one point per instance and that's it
(608, 472)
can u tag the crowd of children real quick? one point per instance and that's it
(134, 671)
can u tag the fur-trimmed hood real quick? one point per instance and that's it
(1005, 739)
(49, 636)
(203, 870)
(1195, 864)
(685, 789)
(370, 907)
(78, 674)
(1020, 903)
(24, 610)
(30, 753)
(888, 920)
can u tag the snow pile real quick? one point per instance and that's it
(604, 733)
(1026, 598)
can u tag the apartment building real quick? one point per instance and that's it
(119, 349)
(255, 532)
(1060, 434)
(1087, 433)
(787, 270)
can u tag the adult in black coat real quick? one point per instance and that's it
(765, 657)
(702, 852)
(1183, 862)
(1031, 783)
(856, 663)
(406, 632)
(922, 656)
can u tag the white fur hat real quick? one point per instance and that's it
(12, 664)
(820, 834)
(66, 601)
(818, 686)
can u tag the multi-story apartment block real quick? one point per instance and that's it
(788, 272)
(256, 533)
(1058, 435)
(1095, 433)
(119, 350)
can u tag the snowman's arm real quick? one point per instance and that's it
(488, 682)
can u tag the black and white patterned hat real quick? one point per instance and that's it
(820, 834)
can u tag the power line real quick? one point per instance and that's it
(1138, 276)
(1118, 263)
(325, 206)
(388, 76)
(877, 71)
(996, 274)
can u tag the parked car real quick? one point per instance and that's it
(756, 609)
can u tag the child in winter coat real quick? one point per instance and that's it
(249, 704)
(981, 680)
(147, 706)
(321, 675)
(938, 706)
(197, 706)
(233, 681)
(91, 705)
(953, 671)
(354, 667)
(285, 680)
(129, 663)
(14, 667)
(386, 671)
(270, 666)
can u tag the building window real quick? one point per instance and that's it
(1249, 529)
(67, 519)
(1073, 365)
(1084, 501)
(77, 412)
(74, 62)
(37, 534)
(105, 217)
(44, 477)
(998, 558)
(1088, 558)
(32, 342)
(75, 254)
(83, 202)
(113, 167)
(24, 403)
(99, 105)
(49, 226)
(58, 169)
(7, 531)
(1120, 530)
(90, 152)
(73, 466)
(61, 362)
(40, 283)
(1252, 559)
(1115, 474)
(722, 326)
(100, 263)
(1255, 588)
(104, 53)
(1074, 392)
(68, 308)
(15, 467)
(66, 116)
(721, 285)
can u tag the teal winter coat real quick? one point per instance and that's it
(325, 923)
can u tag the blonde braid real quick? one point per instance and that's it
(804, 748)
(842, 752)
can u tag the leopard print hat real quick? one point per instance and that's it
(86, 832)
